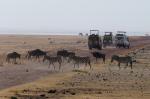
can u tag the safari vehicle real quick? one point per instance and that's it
(94, 40)
(122, 40)
(108, 39)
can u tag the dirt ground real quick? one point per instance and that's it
(34, 80)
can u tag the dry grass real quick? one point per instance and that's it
(104, 81)
(42, 84)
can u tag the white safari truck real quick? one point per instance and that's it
(122, 40)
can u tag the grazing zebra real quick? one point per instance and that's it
(80, 60)
(125, 59)
(14, 56)
(99, 55)
(53, 60)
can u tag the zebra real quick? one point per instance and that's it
(77, 60)
(53, 60)
(125, 59)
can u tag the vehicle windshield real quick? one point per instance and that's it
(119, 34)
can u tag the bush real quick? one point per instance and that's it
(13, 97)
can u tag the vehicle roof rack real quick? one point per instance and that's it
(121, 32)
(94, 31)
(108, 32)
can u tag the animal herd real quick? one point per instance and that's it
(71, 57)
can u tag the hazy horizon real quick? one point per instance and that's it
(101, 33)
(74, 16)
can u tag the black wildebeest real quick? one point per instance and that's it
(65, 54)
(142, 50)
(77, 60)
(13, 56)
(37, 53)
(71, 54)
(122, 59)
(53, 60)
(99, 55)
(61, 52)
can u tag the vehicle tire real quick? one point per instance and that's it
(90, 47)
(119, 45)
(128, 46)
(100, 47)
(104, 46)
(124, 46)
(116, 46)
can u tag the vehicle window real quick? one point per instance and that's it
(119, 38)
(119, 35)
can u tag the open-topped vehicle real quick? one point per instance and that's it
(108, 39)
(122, 40)
(94, 40)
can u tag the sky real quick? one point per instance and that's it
(74, 16)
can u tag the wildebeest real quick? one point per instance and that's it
(121, 59)
(71, 54)
(13, 56)
(37, 53)
(142, 49)
(99, 55)
(53, 60)
(77, 60)
(65, 54)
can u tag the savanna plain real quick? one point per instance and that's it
(32, 79)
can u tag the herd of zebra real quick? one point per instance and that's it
(70, 57)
